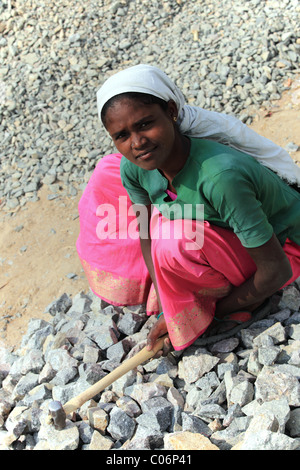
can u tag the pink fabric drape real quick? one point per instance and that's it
(112, 262)
(190, 281)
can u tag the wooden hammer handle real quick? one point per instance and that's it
(129, 364)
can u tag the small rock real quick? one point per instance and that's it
(65, 439)
(85, 432)
(158, 412)
(195, 365)
(131, 323)
(145, 391)
(187, 441)
(271, 384)
(267, 440)
(290, 298)
(121, 426)
(276, 332)
(99, 442)
(225, 346)
(175, 397)
(98, 419)
(192, 423)
(130, 407)
(62, 305)
(293, 424)
(210, 412)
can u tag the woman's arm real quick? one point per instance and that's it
(160, 327)
(146, 251)
(145, 242)
(273, 271)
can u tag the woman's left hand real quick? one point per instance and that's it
(159, 329)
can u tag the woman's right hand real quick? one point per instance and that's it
(159, 329)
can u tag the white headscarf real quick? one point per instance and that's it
(197, 122)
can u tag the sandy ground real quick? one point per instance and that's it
(35, 261)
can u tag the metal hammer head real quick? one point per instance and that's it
(57, 414)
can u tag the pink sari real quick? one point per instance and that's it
(191, 275)
(114, 267)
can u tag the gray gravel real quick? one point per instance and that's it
(241, 392)
(227, 56)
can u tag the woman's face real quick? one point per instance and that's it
(144, 134)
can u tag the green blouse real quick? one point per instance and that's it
(236, 191)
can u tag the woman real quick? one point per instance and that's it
(251, 227)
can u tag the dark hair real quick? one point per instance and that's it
(144, 98)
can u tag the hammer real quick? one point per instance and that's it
(59, 412)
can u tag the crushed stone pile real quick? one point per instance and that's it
(226, 55)
(241, 393)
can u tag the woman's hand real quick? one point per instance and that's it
(159, 329)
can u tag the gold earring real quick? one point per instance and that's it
(175, 118)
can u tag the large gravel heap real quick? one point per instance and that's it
(228, 56)
(238, 393)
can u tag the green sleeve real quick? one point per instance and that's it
(233, 196)
(131, 182)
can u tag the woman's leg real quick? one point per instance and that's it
(192, 281)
